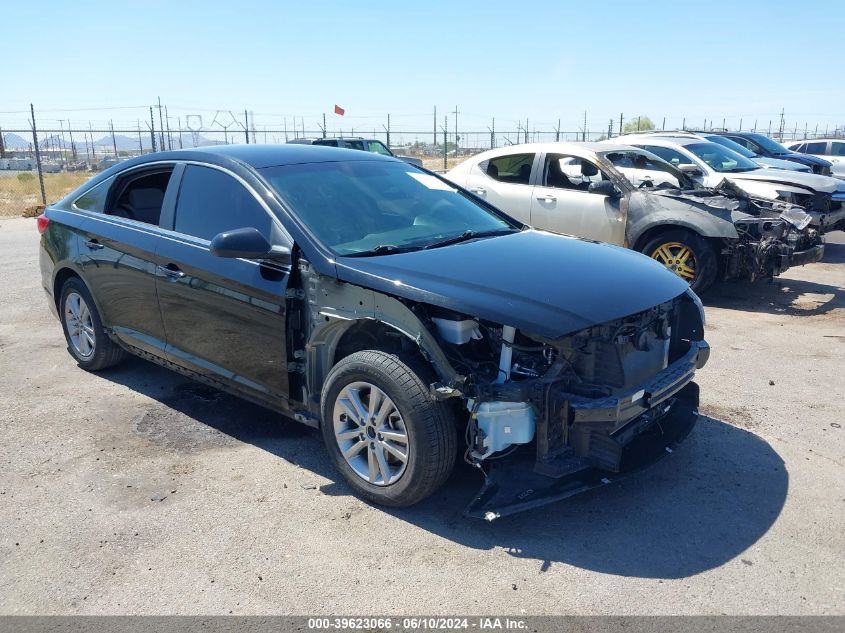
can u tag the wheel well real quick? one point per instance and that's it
(663, 228)
(369, 334)
(61, 278)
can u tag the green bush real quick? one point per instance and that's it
(25, 176)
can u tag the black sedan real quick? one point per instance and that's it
(387, 307)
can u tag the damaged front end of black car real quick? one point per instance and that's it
(561, 416)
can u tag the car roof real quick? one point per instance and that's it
(669, 139)
(259, 156)
(817, 140)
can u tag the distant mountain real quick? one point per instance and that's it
(13, 141)
(124, 143)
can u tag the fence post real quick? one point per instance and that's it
(246, 127)
(152, 130)
(37, 156)
(2, 146)
(445, 140)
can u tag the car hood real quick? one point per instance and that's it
(542, 283)
(818, 183)
(807, 159)
(788, 165)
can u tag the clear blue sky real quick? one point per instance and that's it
(512, 60)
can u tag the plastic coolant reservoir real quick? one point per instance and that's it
(504, 424)
(457, 332)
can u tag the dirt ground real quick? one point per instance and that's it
(135, 491)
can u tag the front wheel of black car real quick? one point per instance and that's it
(86, 340)
(392, 442)
(686, 254)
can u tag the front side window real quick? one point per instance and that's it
(731, 144)
(211, 201)
(377, 147)
(570, 172)
(768, 144)
(721, 159)
(140, 197)
(356, 207)
(837, 148)
(747, 144)
(512, 168)
(638, 161)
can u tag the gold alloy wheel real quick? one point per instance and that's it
(677, 257)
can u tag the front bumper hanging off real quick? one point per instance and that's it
(646, 426)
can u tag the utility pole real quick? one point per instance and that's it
(72, 144)
(91, 135)
(387, 129)
(37, 156)
(610, 128)
(584, 129)
(167, 123)
(445, 141)
(526, 129)
(781, 124)
(160, 125)
(113, 139)
(152, 130)
(457, 138)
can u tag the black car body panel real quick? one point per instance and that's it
(604, 341)
(524, 280)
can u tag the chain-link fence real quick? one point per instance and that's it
(40, 162)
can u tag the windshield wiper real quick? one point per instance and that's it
(468, 235)
(384, 249)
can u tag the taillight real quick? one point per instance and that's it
(43, 221)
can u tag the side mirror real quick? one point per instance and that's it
(603, 188)
(690, 170)
(247, 243)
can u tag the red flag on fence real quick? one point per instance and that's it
(339, 110)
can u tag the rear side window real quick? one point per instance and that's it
(837, 149)
(671, 156)
(95, 198)
(744, 142)
(815, 148)
(377, 147)
(326, 141)
(211, 201)
(354, 145)
(513, 168)
(139, 197)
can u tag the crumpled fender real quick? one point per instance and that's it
(647, 210)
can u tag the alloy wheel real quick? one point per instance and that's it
(80, 325)
(677, 257)
(371, 434)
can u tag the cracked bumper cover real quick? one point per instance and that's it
(626, 433)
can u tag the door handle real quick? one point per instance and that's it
(546, 198)
(479, 191)
(171, 272)
(94, 245)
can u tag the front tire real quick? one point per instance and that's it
(86, 339)
(686, 254)
(392, 442)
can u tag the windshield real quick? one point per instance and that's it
(721, 158)
(355, 207)
(726, 142)
(639, 166)
(768, 144)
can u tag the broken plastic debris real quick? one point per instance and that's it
(491, 516)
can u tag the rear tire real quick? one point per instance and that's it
(86, 339)
(687, 254)
(376, 410)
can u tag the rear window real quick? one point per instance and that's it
(513, 168)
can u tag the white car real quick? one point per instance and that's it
(831, 149)
(583, 189)
(709, 164)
